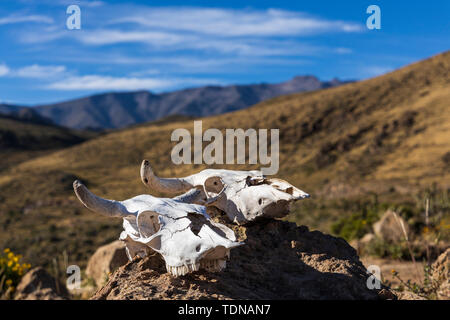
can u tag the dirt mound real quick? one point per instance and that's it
(278, 261)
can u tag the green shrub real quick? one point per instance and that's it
(357, 224)
(383, 249)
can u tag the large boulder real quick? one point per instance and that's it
(38, 284)
(278, 261)
(389, 227)
(105, 260)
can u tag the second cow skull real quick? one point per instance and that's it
(243, 195)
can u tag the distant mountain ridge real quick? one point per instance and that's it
(121, 109)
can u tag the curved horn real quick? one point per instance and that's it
(109, 208)
(195, 196)
(170, 185)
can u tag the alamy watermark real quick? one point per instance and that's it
(374, 20)
(374, 280)
(74, 278)
(213, 153)
(74, 20)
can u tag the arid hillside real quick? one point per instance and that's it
(23, 138)
(388, 136)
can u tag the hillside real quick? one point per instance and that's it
(387, 136)
(119, 110)
(26, 135)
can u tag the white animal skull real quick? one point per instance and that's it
(182, 233)
(243, 195)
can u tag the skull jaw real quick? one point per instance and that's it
(277, 209)
(214, 261)
(244, 216)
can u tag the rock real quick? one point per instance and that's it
(369, 237)
(37, 284)
(105, 260)
(389, 227)
(386, 294)
(408, 295)
(278, 261)
(361, 244)
(84, 292)
(441, 274)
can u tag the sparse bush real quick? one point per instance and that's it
(427, 288)
(446, 159)
(356, 225)
(383, 249)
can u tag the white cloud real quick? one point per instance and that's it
(343, 50)
(101, 37)
(243, 32)
(38, 71)
(98, 82)
(4, 70)
(236, 23)
(167, 41)
(373, 71)
(27, 18)
(81, 3)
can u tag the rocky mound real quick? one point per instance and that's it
(278, 261)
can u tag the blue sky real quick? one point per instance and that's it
(166, 45)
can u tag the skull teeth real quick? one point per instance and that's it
(209, 265)
(182, 270)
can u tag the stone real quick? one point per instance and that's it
(441, 274)
(389, 228)
(361, 244)
(105, 260)
(38, 284)
(278, 261)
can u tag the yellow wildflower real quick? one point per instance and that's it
(8, 282)
(10, 255)
(6, 250)
(10, 263)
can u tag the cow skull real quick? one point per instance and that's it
(182, 233)
(243, 195)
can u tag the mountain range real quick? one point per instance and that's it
(122, 109)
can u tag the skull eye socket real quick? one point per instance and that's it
(213, 185)
(197, 248)
(260, 201)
